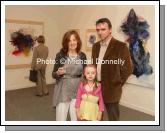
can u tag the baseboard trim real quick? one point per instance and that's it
(138, 108)
(25, 86)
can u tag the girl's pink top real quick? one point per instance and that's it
(96, 92)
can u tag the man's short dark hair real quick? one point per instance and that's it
(41, 39)
(104, 20)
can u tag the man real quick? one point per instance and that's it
(40, 52)
(113, 74)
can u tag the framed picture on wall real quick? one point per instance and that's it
(20, 30)
(91, 38)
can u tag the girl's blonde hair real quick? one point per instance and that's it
(84, 80)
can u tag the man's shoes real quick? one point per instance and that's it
(39, 95)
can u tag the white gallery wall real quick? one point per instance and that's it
(18, 78)
(58, 19)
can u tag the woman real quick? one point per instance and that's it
(40, 52)
(68, 68)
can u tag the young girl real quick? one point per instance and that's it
(89, 102)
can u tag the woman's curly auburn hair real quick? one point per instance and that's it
(66, 40)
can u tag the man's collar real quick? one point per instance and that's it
(106, 43)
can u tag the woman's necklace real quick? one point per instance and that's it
(72, 57)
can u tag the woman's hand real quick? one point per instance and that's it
(99, 116)
(60, 71)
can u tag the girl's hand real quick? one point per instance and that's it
(60, 71)
(99, 116)
(79, 116)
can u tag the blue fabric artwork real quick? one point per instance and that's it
(137, 32)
